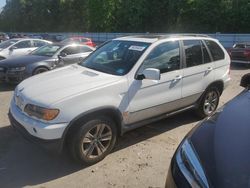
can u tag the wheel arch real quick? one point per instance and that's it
(40, 66)
(108, 111)
(218, 84)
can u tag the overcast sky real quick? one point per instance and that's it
(2, 3)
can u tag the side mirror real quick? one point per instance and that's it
(149, 73)
(245, 81)
(12, 48)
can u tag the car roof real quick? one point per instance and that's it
(151, 38)
(63, 44)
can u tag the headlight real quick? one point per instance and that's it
(17, 69)
(40, 112)
(190, 166)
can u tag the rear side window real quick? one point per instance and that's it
(38, 43)
(83, 49)
(193, 52)
(215, 49)
(205, 54)
(71, 50)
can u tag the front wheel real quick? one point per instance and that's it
(208, 103)
(40, 70)
(93, 141)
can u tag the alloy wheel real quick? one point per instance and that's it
(96, 141)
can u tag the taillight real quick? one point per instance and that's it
(247, 53)
(229, 52)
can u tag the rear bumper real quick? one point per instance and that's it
(240, 61)
(55, 145)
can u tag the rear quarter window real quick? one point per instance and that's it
(216, 51)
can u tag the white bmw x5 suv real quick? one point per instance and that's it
(124, 84)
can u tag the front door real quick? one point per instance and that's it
(149, 98)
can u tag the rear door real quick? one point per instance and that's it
(70, 57)
(198, 72)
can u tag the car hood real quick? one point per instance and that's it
(54, 86)
(23, 60)
(223, 145)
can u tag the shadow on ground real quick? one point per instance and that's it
(24, 164)
(7, 87)
(235, 66)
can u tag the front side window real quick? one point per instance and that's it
(193, 52)
(23, 44)
(7, 43)
(116, 57)
(165, 57)
(215, 49)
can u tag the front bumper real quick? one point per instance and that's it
(55, 145)
(15, 77)
(46, 135)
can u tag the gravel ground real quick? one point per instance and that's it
(141, 157)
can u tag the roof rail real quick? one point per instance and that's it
(185, 35)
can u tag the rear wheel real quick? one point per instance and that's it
(93, 141)
(208, 103)
(40, 70)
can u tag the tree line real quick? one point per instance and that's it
(227, 16)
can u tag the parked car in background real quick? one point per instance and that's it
(240, 53)
(126, 83)
(19, 47)
(80, 40)
(43, 59)
(216, 153)
(4, 37)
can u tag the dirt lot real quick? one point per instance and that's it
(140, 159)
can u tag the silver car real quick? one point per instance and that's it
(20, 46)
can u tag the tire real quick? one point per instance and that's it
(40, 70)
(85, 144)
(208, 103)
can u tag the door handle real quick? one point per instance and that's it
(177, 78)
(209, 69)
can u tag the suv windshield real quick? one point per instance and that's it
(7, 43)
(48, 50)
(116, 57)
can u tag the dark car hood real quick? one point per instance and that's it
(23, 60)
(223, 144)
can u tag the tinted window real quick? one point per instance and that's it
(193, 52)
(206, 57)
(165, 57)
(24, 44)
(216, 51)
(71, 50)
(38, 43)
(84, 40)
